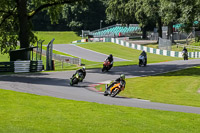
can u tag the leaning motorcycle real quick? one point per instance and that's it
(106, 66)
(185, 55)
(142, 61)
(114, 89)
(76, 78)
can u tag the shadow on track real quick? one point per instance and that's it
(150, 69)
(41, 80)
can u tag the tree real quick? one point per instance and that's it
(189, 13)
(15, 16)
(85, 17)
(119, 11)
(170, 12)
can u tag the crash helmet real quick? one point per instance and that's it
(122, 76)
(110, 56)
(83, 68)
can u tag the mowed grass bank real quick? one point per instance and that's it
(180, 87)
(60, 37)
(4, 57)
(125, 52)
(22, 113)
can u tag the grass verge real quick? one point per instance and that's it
(4, 57)
(125, 52)
(180, 87)
(60, 37)
(22, 113)
(176, 47)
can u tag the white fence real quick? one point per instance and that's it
(153, 50)
(67, 59)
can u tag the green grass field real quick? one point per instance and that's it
(22, 113)
(118, 51)
(106, 48)
(180, 87)
(176, 47)
(4, 57)
(60, 37)
(125, 52)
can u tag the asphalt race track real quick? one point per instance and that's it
(83, 53)
(56, 84)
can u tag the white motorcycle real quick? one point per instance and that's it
(142, 61)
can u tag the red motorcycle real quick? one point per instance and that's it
(106, 66)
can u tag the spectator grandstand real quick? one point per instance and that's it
(177, 27)
(116, 30)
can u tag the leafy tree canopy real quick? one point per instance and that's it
(85, 17)
(15, 20)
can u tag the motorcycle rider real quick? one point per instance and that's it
(184, 49)
(185, 53)
(145, 55)
(120, 80)
(82, 70)
(110, 59)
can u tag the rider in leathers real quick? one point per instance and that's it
(120, 80)
(145, 55)
(81, 71)
(110, 59)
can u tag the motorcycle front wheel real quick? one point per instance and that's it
(73, 81)
(115, 92)
(140, 63)
(104, 69)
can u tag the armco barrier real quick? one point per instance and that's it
(7, 66)
(153, 50)
(36, 66)
(82, 40)
(101, 39)
(21, 66)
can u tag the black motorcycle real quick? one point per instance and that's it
(185, 55)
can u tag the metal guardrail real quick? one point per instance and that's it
(7, 66)
(21, 66)
(36, 66)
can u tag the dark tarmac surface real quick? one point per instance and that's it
(56, 84)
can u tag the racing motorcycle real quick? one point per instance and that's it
(106, 66)
(113, 89)
(78, 77)
(142, 61)
(185, 55)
